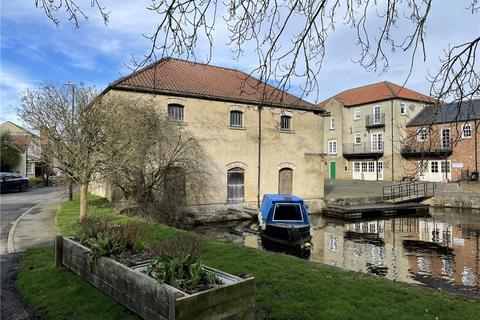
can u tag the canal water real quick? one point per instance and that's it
(440, 249)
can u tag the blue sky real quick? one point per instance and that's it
(34, 50)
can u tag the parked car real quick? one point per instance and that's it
(10, 181)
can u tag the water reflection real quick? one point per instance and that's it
(441, 251)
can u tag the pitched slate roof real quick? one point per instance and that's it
(185, 78)
(447, 113)
(376, 92)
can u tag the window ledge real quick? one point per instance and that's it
(237, 128)
(179, 122)
(287, 131)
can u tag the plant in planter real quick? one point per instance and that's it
(106, 238)
(189, 278)
(177, 264)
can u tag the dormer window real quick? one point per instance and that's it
(175, 112)
(236, 119)
(285, 123)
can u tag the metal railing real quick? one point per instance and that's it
(410, 191)
(372, 122)
(416, 148)
(362, 148)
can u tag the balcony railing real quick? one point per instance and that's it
(366, 149)
(427, 149)
(375, 122)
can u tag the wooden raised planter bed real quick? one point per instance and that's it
(234, 299)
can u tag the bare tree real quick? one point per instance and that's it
(70, 141)
(156, 164)
(290, 36)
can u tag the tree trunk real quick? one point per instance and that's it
(83, 201)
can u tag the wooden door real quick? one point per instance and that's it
(333, 170)
(285, 179)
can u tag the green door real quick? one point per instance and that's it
(332, 170)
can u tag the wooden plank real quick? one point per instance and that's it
(226, 309)
(212, 297)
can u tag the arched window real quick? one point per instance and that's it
(235, 185)
(236, 119)
(285, 123)
(175, 112)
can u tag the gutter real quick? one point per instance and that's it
(206, 97)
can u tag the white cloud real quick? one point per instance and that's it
(12, 82)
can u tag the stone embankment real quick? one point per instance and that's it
(355, 192)
(457, 195)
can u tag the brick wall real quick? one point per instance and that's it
(463, 157)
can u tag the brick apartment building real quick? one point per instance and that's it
(443, 142)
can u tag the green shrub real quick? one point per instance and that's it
(183, 248)
(105, 236)
(105, 245)
(35, 182)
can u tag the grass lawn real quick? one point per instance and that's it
(287, 287)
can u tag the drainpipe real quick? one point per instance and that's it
(477, 126)
(259, 153)
(391, 123)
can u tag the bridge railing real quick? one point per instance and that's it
(408, 191)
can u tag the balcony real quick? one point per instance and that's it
(362, 150)
(426, 149)
(375, 122)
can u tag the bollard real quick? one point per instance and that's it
(58, 251)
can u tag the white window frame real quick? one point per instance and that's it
(377, 143)
(332, 123)
(332, 146)
(469, 129)
(437, 166)
(357, 114)
(357, 167)
(359, 136)
(31, 168)
(442, 141)
(420, 133)
(403, 108)
(375, 108)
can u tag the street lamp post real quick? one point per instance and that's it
(71, 85)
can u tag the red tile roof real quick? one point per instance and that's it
(377, 92)
(180, 77)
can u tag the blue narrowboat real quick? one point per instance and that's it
(284, 220)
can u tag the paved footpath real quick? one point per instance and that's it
(28, 221)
